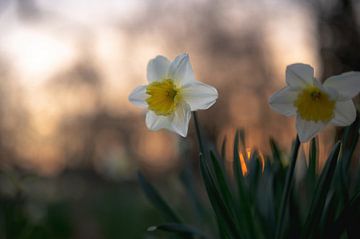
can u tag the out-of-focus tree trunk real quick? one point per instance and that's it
(338, 39)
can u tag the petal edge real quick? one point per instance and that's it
(180, 70)
(156, 122)
(282, 101)
(181, 119)
(345, 113)
(299, 75)
(199, 96)
(307, 129)
(138, 96)
(157, 69)
(346, 84)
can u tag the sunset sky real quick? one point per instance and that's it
(48, 38)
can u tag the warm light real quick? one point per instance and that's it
(243, 160)
(37, 53)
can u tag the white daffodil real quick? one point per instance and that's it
(315, 104)
(172, 93)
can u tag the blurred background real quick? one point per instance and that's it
(72, 143)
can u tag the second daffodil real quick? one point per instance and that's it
(172, 93)
(315, 104)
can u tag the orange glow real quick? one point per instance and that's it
(65, 69)
(248, 154)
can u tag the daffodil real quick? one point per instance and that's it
(172, 93)
(314, 104)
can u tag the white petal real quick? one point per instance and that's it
(332, 93)
(199, 96)
(299, 75)
(307, 129)
(347, 84)
(181, 118)
(138, 96)
(181, 71)
(283, 101)
(157, 69)
(156, 122)
(345, 113)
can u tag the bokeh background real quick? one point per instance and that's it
(72, 143)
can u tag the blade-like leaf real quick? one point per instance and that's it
(254, 170)
(321, 191)
(276, 153)
(329, 214)
(342, 221)
(155, 198)
(223, 151)
(222, 212)
(311, 173)
(313, 158)
(242, 139)
(244, 206)
(287, 190)
(349, 141)
(222, 181)
(294, 219)
(182, 230)
(188, 181)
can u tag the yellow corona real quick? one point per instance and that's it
(312, 104)
(163, 97)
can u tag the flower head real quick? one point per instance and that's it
(315, 104)
(172, 93)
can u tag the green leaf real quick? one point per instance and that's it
(276, 153)
(182, 230)
(345, 215)
(287, 190)
(244, 205)
(188, 181)
(311, 174)
(236, 164)
(223, 213)
(242, 136)
(265, 206)
(349, 141)
(294, 220)
(278, 172)
(222, 181)
(321, 191)
(357, 179)
(155, 198)
(254, 171)
(329, 214)
(223, 150)
(313, 158)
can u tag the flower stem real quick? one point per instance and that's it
(198, 134)
(287, 189)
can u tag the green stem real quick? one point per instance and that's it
(287, 189)
(198, 134)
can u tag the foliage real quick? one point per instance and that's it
(96, 208)
(276, 198)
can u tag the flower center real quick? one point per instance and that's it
(314, 105)
(163, 97)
